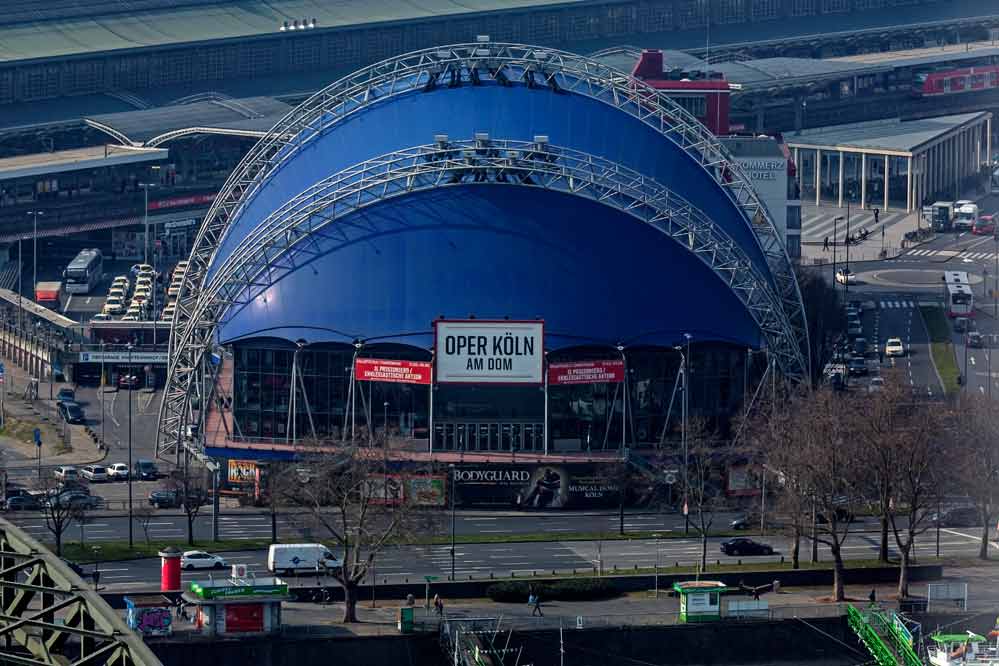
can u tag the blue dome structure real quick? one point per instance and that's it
(498, 180)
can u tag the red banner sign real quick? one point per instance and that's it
(400, 372)
(586, 372)
(177, 202)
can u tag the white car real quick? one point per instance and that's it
(118, 471)
(846, 276)
(894, 347)
(101, 316)
(199, 559)
(66, 473)
(877, 385)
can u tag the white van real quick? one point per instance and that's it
(291, 558)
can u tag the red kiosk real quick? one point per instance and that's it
(170, 569)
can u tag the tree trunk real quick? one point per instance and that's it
(983, 550)
(349, 601)
(796, 547)
(883, 546)
(273, 526)
(58, 542)
(903, 571)
(704, 551)
(838, 573)
(190, 530)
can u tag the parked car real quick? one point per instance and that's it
(118, 472)
(66, 473)
(66, 395)
(145, 470)
(199, 559)
(290, 558)
(877, 384)
(965, 516)
(94, 473)
(164, 499)
(860, 346)
(74, 499)
(23, 503)
(745, 546)
(746, 521)
(72, 412)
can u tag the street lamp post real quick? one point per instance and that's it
(452, 491)
(686, 413)
(658, 552)
(131, 538)
(97, 567)
(385, 407)
(34, 247)
(101, 397)
(20, 269)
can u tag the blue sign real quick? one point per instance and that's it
(38, 437)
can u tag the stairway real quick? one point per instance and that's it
(884, 635)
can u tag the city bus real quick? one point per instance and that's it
(84, 272)
(960, 300)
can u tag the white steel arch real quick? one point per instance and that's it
(462, 64)
(291, 235)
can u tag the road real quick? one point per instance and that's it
(169, 525)
(412, 563)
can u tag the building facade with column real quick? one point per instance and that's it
(893, 164)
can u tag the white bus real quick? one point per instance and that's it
(84, 272)
(960, 300)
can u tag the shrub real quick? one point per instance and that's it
(572, 589)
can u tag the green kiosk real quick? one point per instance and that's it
(700, 600)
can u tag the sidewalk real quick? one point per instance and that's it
(818, 223)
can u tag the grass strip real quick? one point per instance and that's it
(941, 347)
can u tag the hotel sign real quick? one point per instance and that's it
(478, 351)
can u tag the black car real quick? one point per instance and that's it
(66, 395)
(745, 546)
(857, 366)
(146, 470)
(71, 412)
(164, 499)
(745, 522)
(23, 503)
(967, 516)
(860, 346)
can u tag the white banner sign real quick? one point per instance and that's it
(489, 352)
(123, 357)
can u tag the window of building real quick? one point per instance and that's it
(794, 247)
(802, 7)
(765, 9)
(794, 217)
(696, 105)
(835, 6)
(729, 11)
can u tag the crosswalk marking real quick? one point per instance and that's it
(888, 305)
(977, 256)
(816, 225)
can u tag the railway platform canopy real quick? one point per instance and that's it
(76, 159)
(898, 163)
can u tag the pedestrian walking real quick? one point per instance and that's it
(825, 244)
(873, 597)
(876, 214)
(535, 601)
(438, 605)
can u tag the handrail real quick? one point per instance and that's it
(869, 637)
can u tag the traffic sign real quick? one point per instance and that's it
(38, 437)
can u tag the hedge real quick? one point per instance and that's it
(577, 589)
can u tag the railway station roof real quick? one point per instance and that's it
(883, 137)
(251, 116)
(90, 157)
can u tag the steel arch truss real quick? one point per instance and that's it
(48, 616)
(481, 64)
(309, 224)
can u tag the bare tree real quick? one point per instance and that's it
(976, 436)
(144, 514)
(190, 487)
(821, 469)
(704, 482)
(360, 504)
(58, 509)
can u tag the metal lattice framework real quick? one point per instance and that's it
(462, 64)
(317, 221)
(49, 617)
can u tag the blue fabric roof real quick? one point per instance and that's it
(594, 274)
(516, 112)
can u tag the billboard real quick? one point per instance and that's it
(535, 486)
(122, 357)
(393, 489)
(386, 370)
(242, 471)
(586, 372)
(477, 351)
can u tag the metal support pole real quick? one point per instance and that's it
(215, 504)
(430, 410)
(20, 269)
(131, 537)
(145, 221)
(624, 402)
(763, 504)
(939, 517)
(546, 404)
(658, 552)
(846, 281)
(103, 406)
(452, 490)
